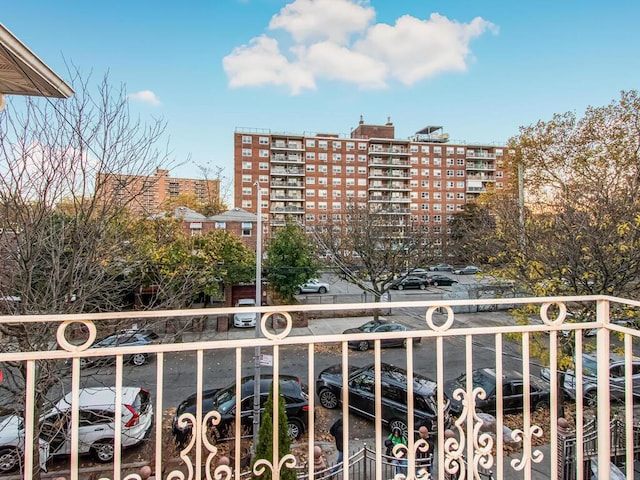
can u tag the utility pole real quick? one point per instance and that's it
(256, 378)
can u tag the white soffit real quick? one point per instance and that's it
(23, 73)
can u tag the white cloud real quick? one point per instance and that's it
(336, 40)
(415, 49)
(333, 20)
(145, 96)
(261, 63)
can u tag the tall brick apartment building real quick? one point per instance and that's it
(313, 177)
(150, 192)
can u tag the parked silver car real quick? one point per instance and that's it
(96, 430)
(590, 379)
(314, 286)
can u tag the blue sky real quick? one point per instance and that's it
(479, 68)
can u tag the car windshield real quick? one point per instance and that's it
(480, 379)
(369, 326)
(589, 366)
(225, 399)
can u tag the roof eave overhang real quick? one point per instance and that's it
(23, 73)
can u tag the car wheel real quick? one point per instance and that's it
(404, 429)
(435, 284)
(423, 286)
(328, 399)
(363, 345)
(299, 291)
(322, 290)
(139, 359)
(591, 398)
(400, 287)
(9, 459)
(103, 450)
(295, 429)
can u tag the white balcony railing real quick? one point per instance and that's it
(198, 362)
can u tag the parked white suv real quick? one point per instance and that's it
(248, 319)
(96, 429)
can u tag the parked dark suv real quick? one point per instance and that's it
(223, 400)
(394, 380)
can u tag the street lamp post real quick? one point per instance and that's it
(256, 378)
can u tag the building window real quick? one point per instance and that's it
(437, 173)
(322, 168)
(499, 152)
(413, 160)
(498, 174)
(437, 184)
(337, 145)
(322, 205)
(437, 219)
(351, 145)
(437, 161)
(362, 158)
(311, 143)
(413, 172)
(311, 205)
(246, 229)
(460, 151)
(311, 155)
(350, 157)
(263, 140)
(246, 203)
(437, 150)
(362, 170)
(246, 178)
(311, 168)
(322, 157)
(362, 194)
(413, 183)
(450, 162)
(450, 207)
(413, 148)
(460, 162)
(425, 148)
(362, 146)
(424, 172)
(337, 157)
(459, 173)
(425, 195)
(311, 180)
(424, 183)
(362, 182)
(449, 195)
(310, 217)
(220, 225)
(349, 170)
(449, 185)
(424, 160)
(246, 190)
(351, 182)
(264, 153)
(336, 206)
(322, 144)
(337, 169)
(322, 193)
(450, 150)
(424, 218)
(263, 166)
(246, 165)
(246, 152)
(322, 180)
(449, 173)
(247, 139)
(425, 207)
(336, 194)
(311, 192)
(460, 196)
(460, 184)
(337, 181)
(263, 179)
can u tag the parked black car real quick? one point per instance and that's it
(362, 400)
(411, 281)
(512, 391)
(223, 400)
(129, 338)
(441, 280)
(377, 326)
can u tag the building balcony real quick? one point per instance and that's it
(287, 146)
(449, 337)
(280, 158)
(388, 198)
(399, 150)
(287, 209)
(389, 174)
(286, 184)
(480, 154)
(480, 166)
(287, 171)
(389, 187)
(395, 162)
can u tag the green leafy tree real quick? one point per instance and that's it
(290, 261)
(570, 225)
(264, 449)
